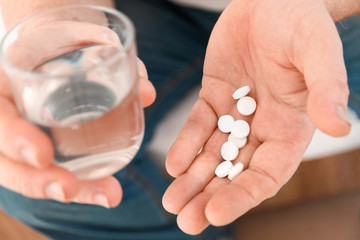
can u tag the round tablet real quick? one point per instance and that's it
(239, 142)
(229, 151)
(235, 170)
(223, 169)
(240, 129)
(200, 150)
(241, 92)
(225, 123)
(246, 106)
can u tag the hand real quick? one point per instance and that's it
(26, 153)
(290, 54)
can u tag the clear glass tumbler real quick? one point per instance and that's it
(73, 73)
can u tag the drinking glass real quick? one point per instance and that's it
(73, 72)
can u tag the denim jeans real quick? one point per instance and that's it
(349, 31)
(171, 42)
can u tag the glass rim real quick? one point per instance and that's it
(125, 46)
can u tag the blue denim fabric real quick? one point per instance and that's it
(349, 31)
(171, 42)
(140, 215)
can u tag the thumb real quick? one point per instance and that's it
(325, 75)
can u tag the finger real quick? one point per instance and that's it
(148, 93)
(188, 185)
(4, 85)
(105, 192)
(192, 219)
(194, 134)
(182, 196)
(61, 37)
(22, 141)
(270, 168)
(202, 171)
(53, 183)
(325, 75)
(246, 152)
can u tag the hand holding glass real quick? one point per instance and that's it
(73, 72)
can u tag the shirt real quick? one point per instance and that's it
(212, 5)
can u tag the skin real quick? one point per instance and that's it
(291, 57)
(288, 52)
(15, 11)
(26, 153)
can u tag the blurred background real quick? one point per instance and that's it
(321, 201)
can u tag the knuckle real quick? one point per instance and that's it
(24, 184)
(342, 87)
(21, 184)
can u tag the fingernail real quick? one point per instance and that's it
(101, 199)
(341, 114)
(28, 156)
(54, 191)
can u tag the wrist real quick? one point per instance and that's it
(341, 9)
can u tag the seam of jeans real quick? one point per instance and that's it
(182, 74)
(174, 79)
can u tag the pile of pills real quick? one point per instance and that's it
(238, 131)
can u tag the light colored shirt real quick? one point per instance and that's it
(212, 5)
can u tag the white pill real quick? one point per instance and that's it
(223, 169)
(229, 151)
(225, 123)
(200, 150)
(235, 170)
(246, 106)
(240, 129)
(241, 92)
(239, 142)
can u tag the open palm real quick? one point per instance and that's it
(290, 54)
